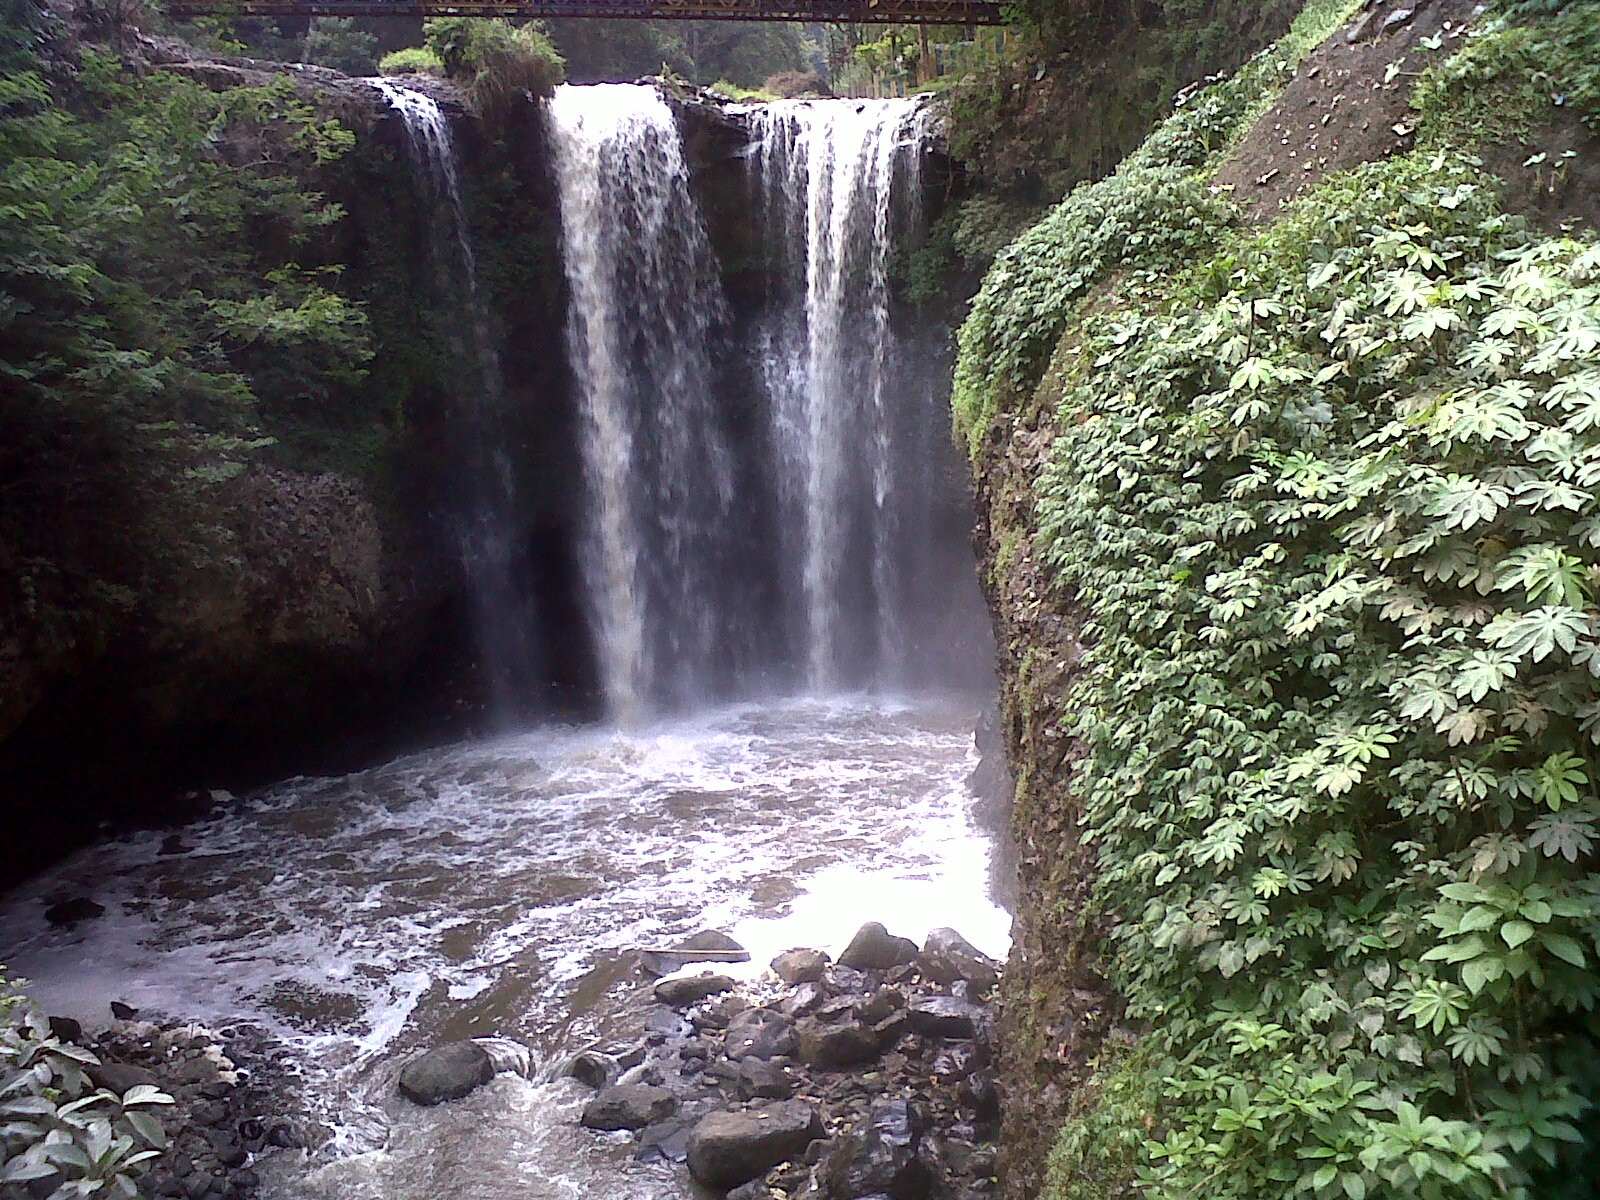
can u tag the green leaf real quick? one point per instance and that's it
(1563, 947)
(1514, 933)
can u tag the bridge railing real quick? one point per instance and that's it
(852, 12)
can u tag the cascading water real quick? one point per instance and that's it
(645, 299)
(829, 179)
(822, 571)
(491, 550)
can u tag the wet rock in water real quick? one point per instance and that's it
(665, 1021)
(883, 1003)
(173, 844)
(945, 1017)
(65, 1029)
(446, 1072)
(123, 1012)
(720, 1014)
(118, 1077)
(285, 1134)
(843, 1045)
(594, 1069)
(759, 1079)
(759, 1033)
(804, 1000)
(731, 1148)
(955, 1061)
(628, 1106)
(706, 946)
(879, 1155)
(668, 1140)
(70, 912)
(874, 948)
(948, 958)
(800, 966)
(682, 992)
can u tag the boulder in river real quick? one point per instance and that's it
(70, 912)
(800, 966)
(843, 1045)
(706, 946)
(628, 1106)
(691, 989)
(759, 1079)
(593, 1068)
(879, 1155)
(759, 1033)
(874, 948)
(945, 1017)
(446, 1072)
(730, 1148)
(947, 958)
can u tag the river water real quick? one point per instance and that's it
(494, 888)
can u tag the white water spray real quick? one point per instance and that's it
(645, 297)
(489, 532)
(828, 177)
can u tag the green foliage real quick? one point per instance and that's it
(495, 60)
(732, 91)
(1099, 1150)
(743, 53)
(1567, 50)
(58, 1132)
(1513, 70)
(336, 42)
(414, 60)
(1487, 92)
(149, 300)
(1329, 506)
(1152, 215)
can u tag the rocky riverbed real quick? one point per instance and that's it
(869, 1076)
(223, 1116)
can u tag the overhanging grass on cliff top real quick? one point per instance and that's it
(1328, 498)
(1122, 223)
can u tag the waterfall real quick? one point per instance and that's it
(488, 534)
(848, 431)
(645, 301)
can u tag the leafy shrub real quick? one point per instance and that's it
(786, 85)
(148, 234)
(336, 42)
(414, 60)
(1324, 496)
(1330, 512)
(495, 60)
(1155, 213)
(732, 91)
(57, 1129)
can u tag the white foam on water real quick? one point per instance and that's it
(470, 890)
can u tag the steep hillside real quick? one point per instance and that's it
(1284, 443)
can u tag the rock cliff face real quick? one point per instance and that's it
(326, 581)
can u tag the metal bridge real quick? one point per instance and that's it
(847, 12)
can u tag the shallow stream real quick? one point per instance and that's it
(495, 888)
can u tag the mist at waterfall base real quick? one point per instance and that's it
(768, 515)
